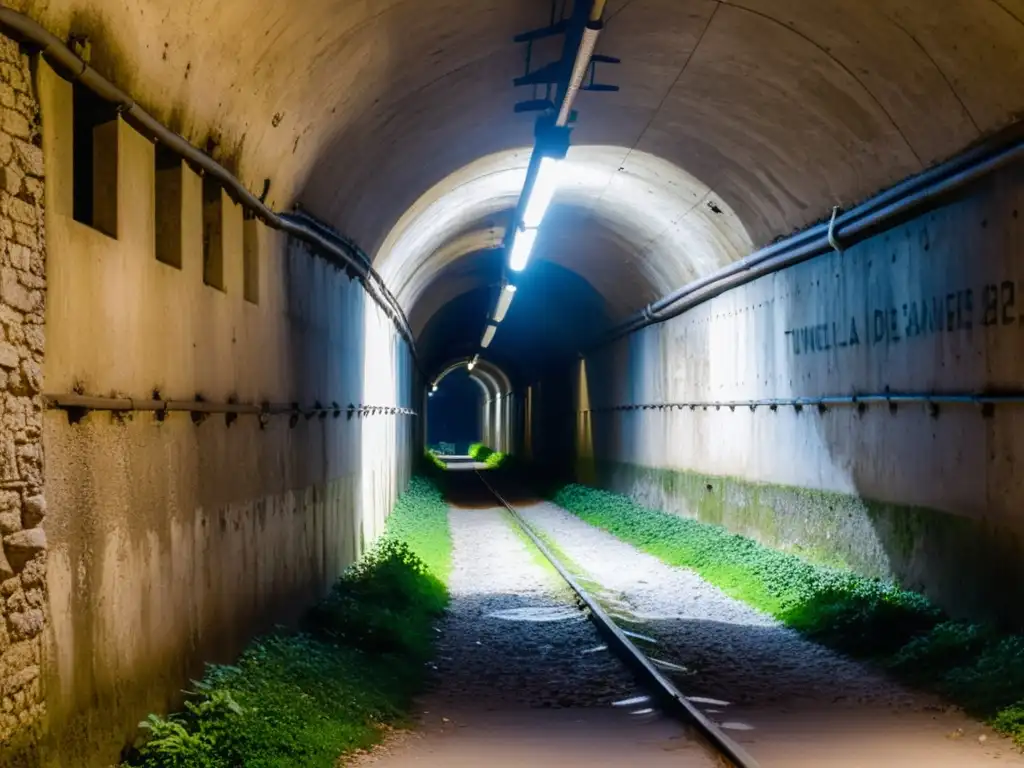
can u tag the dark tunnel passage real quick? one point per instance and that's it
(727, 289)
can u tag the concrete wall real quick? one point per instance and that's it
(172, 542)
(933, 499)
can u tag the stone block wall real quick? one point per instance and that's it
(23, 593)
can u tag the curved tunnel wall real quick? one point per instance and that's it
(498, 402)
(925, 495)
(780, 109)
(171, 541)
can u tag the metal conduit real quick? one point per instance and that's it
(333, 247)
(853, 226)
(92, 403)
(892, 398)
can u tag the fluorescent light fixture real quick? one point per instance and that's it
(522, 245)
(434, 388)
(504, 302)
(541, 193)
(488, 335)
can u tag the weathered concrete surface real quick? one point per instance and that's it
(778, 109)
(932, 498)
(172, 542)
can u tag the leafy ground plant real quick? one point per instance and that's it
(975, 666)
(493, 459)
(304, 698)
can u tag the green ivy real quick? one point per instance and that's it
(493, 459)
(976, 666)
(303, 698)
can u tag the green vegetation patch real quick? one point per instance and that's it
(304, 698)
(493, 459)
(434, 462)
(978, 667)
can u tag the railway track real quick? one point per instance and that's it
(662, 689)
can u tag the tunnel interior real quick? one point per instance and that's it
(253, 259)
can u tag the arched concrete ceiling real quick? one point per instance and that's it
(777, 109)
(632, 225)
(486, 373)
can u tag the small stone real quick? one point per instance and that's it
(35, 338)
(11, 179)
(982, 739)
(21, 211)
(26, 105)
(10, 522)
(8, 356)
(34, 574)
(21, 257)
(10, 501)
(6, 149)
(23, 546)
(25, 235)
(9, 587)
(27, 625)
(34, 511)
(21, 679)
(15, 294)
(31, 158)
(35, 189)
(32, 373)
(6, 571)
(15, 123)
(7, 95)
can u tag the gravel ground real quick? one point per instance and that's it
(733, 650)
(513, 635)
(520, 680)
(791, 702)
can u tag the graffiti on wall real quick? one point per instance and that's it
(990, 305)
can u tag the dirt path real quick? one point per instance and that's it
(790, 702)
(521, 677)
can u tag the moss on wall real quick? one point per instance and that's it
(970, 568)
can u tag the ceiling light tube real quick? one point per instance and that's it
(488, 336)
(545, 182)
(471, 365)
(504, 302)
(522, 245)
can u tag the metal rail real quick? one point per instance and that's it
(670, 696)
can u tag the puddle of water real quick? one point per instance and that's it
(702, 700)
(734, 726)
(596, 649)
(638, 636)
(553, 613)
(632, 701)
